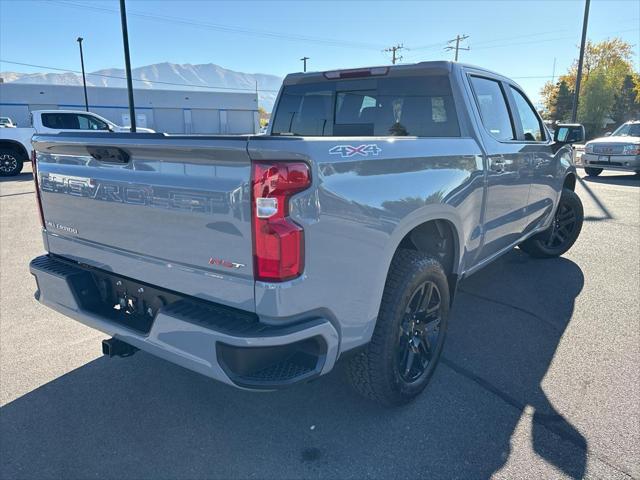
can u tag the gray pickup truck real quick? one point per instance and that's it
(341, 234)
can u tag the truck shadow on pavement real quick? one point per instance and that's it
(141, 417)
(630, 180)
(21, 177)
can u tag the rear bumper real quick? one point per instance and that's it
(229, 345)
(626, 163)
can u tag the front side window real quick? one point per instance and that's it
(531, 124)
(411, 106)
(87, 122)
(493, 108)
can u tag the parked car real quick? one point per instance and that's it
(618, 151)
(6, 122)
(262, 260)
(15, 144)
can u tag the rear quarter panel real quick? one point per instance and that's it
(356, 214)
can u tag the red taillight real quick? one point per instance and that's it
(35, 181)
(278, 242)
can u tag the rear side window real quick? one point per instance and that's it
(493, 108)
(411, 106)
(305, 110)
(60, 121)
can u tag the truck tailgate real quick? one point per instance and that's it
(170, 211)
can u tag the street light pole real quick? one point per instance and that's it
(576, 98)
(84, 79)
(127, 65)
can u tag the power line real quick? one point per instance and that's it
(137, 79)
(226, 28)
(430, 46)
(437, 45)
(414, 55)
(549, 40)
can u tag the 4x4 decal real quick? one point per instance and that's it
(346, 151)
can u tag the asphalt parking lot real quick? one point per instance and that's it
(539, 380)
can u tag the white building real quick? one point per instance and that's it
(169, 111)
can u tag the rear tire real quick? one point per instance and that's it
(592, 172)
(10, 162)
(564, 231)
(409, 335)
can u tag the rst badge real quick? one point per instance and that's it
(346, 151)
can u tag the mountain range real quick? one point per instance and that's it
(165, 76)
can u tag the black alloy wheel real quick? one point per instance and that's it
(563, 226)
(419, 332)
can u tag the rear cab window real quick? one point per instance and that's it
(420, 106)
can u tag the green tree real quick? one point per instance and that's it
(557, 99)
(607, 65)
(627, 103)
(596, 100)
(564, 102)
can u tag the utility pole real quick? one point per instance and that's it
(127, 65)
(458, 39)
(84, 80)
(576, 97)
(304, 61)
(394, 52)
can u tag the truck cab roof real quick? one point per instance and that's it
(442, 66)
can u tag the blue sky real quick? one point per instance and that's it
(517, 38)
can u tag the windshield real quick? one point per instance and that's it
(403, 106)
(627, 130)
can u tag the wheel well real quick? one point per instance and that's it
(15, 147)
(436, 238)
(570, 182)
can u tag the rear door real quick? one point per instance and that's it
(543, 168)
(170, 211)
(508, 164)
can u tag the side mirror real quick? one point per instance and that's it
(569, 133)
(607, 134)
